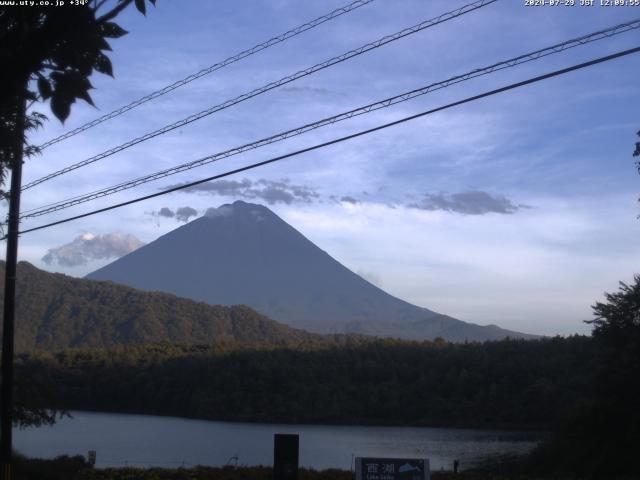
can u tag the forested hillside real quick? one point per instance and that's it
(55, 311)
(510, 383)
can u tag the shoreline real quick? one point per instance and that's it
(524, 429)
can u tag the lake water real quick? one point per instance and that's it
(143, 440)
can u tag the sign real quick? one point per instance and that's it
(285, 456)
(392, 468)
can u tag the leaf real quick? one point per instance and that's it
(103, 65)
(61, 107)
(142, 8)
(67, 87)
(112, 30)
(104, 45)
(85, 64)
(84, 95)
(152, 2)
(56, 76)
(63, 57)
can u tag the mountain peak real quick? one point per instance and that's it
(238, 208)
(243, 253)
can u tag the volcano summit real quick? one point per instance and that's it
(244, 253)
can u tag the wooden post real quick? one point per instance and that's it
(8, 324)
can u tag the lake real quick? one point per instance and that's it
(144, 440)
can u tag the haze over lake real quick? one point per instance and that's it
(143, 440)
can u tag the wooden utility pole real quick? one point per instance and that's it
(8, 324)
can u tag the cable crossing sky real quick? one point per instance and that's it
(270, 86)
(528, 57)
(206, 71)
(345, 138)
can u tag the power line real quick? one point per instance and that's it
(206, 71)
(343, 139)
(270, 86)
(599, 35)
(342, 116)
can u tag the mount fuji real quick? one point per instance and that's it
(243, 253)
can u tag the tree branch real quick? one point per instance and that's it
(114, 12)
(99, 4)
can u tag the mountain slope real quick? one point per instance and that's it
(245, 254)
(54, 311)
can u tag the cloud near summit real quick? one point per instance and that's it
(270, 191)
(470, 202)
(181, 214)
(88, 247)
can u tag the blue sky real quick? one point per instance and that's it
(519, 210)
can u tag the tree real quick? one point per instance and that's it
(636, 153)
(46, 53)
(601, 438)
(617, 382)
(620, 316)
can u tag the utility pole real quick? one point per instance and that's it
(6, 391)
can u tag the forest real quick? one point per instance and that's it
(503, 384)
(57, 311)
(583, 389)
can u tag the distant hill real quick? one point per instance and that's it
(54, 311)
(245, 254)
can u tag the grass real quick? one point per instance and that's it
(77, 468)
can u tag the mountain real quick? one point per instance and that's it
(245, 254)
(54, 311)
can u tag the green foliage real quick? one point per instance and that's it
(74, 468)
(616, 413)
(61, 468)
(208, 473)
(601, 438)
(252, 368)
(511, 383)
(56, 311)
(58, 48)
(48, 54)
(620, 316)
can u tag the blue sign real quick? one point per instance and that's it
(369, 468)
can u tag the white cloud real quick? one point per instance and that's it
(548, 145)
(87, 247)
(470, 202)
(371, 277)
(538, 271)
(270, 191)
